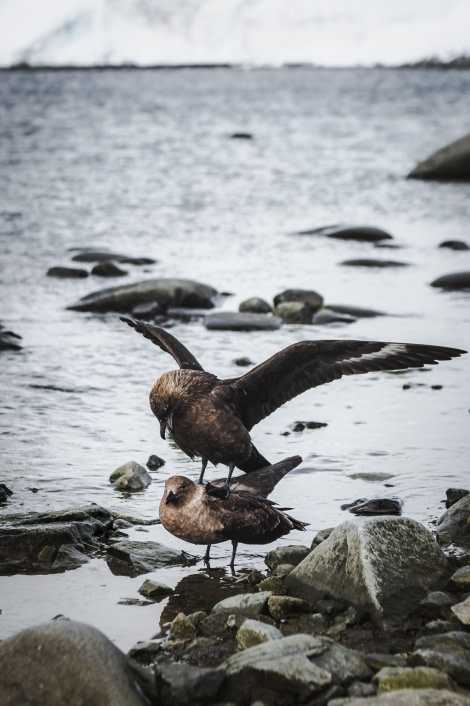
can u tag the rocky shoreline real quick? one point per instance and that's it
(376, 611)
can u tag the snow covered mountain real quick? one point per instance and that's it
(257, 32)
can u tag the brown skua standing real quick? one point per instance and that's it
(246, 516)
(212, 418)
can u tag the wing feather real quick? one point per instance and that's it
(166, 342)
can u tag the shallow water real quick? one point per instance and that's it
(141, 162)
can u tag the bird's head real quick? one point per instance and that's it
(177, 490)
(166, 397)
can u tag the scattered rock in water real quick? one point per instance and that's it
(239, 321)
(458, 280)
(301, 426)
(155, 462)
(129, 557)
(361, 233)
(5, 493)
(371, 262)
(186, 314)
(356, 312)
(131, 477)
(154, 589)
(9, 341)
(66, 662)
(454, 245)
(34, 542)
(243, 362)
(450, 163)
(376, 506)
(67, 272)
(255, 305)
(384, 565)
(294, 312)
(328, 316)
(253, 632)
(108, 269)
(455, 494)
(241, 136)
(372, 476)
(307, 296)
(94, 255)
(147, 310)
(165, 292)
(454, 524)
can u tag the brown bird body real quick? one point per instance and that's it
(211, 418)
(247, 516)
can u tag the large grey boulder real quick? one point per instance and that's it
(384, 565)
(454, 524)
(36, 542)
(166, 292)
(452, 162)
(66, 662)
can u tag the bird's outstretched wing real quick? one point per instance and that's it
(263, 481)
(166, 342)
(308, 364)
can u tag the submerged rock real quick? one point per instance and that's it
(328, 316)
(9, 341)
(5, 493)
(451, 162)
(356, 312)
(66, 662)
(454, 245)
(239, 321)
(108, 269)
(383, 565)
(143, 557)
(67, 272)
(361, 233)
(165, 292)
(376, 506)
(370, 262)
(131, 477)
(92, 255)
(31, 542)
(457, 280)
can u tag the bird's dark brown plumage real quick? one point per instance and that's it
(211, 418)
(246, 516)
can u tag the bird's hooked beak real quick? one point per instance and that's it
(166, 423)
(170, 497)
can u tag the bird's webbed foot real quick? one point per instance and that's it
(218, 491)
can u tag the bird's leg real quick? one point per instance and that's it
(203, 470)
(222, 491)
(234, 551)
(207, 554)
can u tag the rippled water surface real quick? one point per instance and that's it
(141, 162)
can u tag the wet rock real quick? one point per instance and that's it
(238, 321)
(154, 589)
(294, 312)
(372, 476)
(371, 262)
(251, 605)
(66, 662)
(462, 611)
(291, 554)
(454, 524)
(376, 506)
(383, 565)
(241, 136)
(277, 672)
(164, 291)
(30, 542)
(356, 312)
(455, 494)
(68, 557)
(5, 493)
(182, 628)
(408, 697)
(67, 272)
(92, 255)
(396, 678)
(143, 557)
(9, 341)
(328, 316)
(255, 305)
(454, 245)
(307, 296)
(155, 462)
(131, 477)
(108, 269)
(451, 162)
(253, 632)
(281, 607)
(301, 426)
(184, 684)
(457, 280)
(344, 232)
(243, 362)
(449, 652)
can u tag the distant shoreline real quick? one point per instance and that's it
(460, 63)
